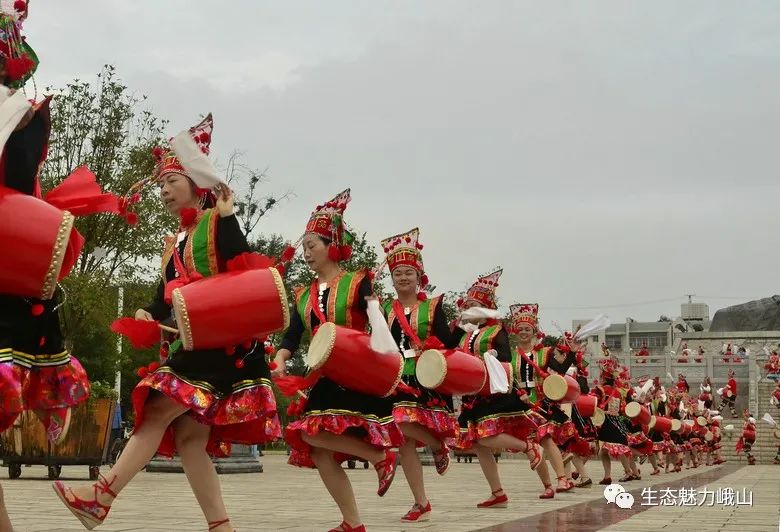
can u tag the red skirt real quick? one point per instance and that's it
(41, 382)
(246, 416)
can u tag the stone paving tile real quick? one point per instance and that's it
(294, 500)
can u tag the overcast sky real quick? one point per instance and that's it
(604, 153)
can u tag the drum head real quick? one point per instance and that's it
(598, 417)
(632, 409)
(676, 425)
(321, 345)
(709, 436)
(431, 368)
(555, 387)
(702, 421)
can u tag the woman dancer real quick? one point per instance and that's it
(337, 423)
(418, 323)
(502, 420)
(198, 401)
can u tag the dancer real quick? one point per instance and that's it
(612, 434)
(336, 423)
(198, 401)
(425, 417)
(706, 392)
(748, 438)
(729, 394)
(500, 420)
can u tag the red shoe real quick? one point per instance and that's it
(606, 481)
(497, 501)
(215, 524)
(386, 469)
(535, 457)
(418, 513)
(344, 527)
(568, 485)
(90, 513)
(441, 459)
(549, 493)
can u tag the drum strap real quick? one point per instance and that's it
(406, 327)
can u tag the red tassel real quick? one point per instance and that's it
(17, 68)
(269, 350)
(421, 296)
(154, 366)
(288, 254)
(281, 269)
(80, 194)
(424, 281)
(205, 137)
(230, 350)
(142, 372)
(292, 384)
(345, 251)
(187, 216)
(131, 218)
(240, 363)
(20, 6)
(272, 365)
(141, 333)
(249, 261)
(37, 309)
(158, 153)
(42, 341)
(333, 253)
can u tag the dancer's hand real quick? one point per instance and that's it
(224, 199)
(141, 314)
(280, 360)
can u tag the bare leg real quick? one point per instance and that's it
(579, 465)
(347, 444)
(191, 439)
(5, 521)
(415, 431)
(337, 484)
(508, 441)
(554, 455)
(160, 412)
(489, 468)
(606, 462)
(413, 471)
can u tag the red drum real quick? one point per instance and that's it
(639, 413)
(452, 372)
(229, 308)
(587, 405)
(561, 388)
(685, 429)
(729, 393)
(660, 424)
(509, 375)
(40, 245)
(345, 357)
(749, 434)
(702, 421)
(676, 425)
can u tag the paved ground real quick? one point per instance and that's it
(290, 499)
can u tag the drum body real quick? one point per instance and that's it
(38, 250)
(452, 372)
(660, 424)
(345, 356)
(562, 388)
(587, 405)
(638, 412)
(229, 308)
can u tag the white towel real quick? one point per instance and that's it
(12, 110)
(498, 381)
(381, 337)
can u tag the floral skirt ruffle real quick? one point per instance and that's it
(440, 421)
(486, 416)
(41, 382)
(640, 442)
(334, 409)
(616, 450)
(246, 416)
